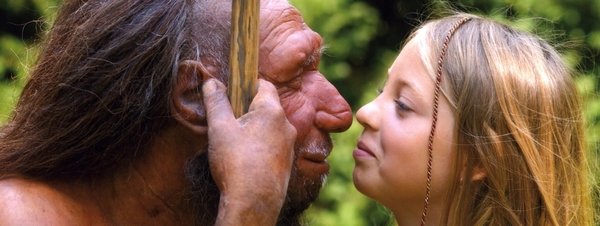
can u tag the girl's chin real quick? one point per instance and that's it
(361, 182)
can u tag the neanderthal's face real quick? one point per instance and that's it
(289, 57)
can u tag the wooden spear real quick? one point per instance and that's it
(243, 58)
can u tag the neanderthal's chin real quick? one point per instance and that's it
(302, 191)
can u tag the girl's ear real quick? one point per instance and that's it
(479, 173)
(186, 106)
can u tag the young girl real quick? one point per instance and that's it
(478, 124)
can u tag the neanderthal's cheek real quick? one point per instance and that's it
(299, 111)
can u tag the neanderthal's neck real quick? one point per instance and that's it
(153, 189)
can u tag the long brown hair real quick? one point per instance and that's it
(101, 87)
(519, 120)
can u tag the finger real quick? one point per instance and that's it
(216, 103)
(266, 97)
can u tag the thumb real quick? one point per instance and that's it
(218, 109)
(266, 97)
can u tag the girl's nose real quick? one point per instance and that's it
(368, 116)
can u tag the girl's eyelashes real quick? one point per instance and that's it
(402, 106)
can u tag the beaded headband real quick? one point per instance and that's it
(436, 97)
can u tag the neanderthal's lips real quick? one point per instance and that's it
(313, 164)
(311, 160)
(316, 157)
(311, 169)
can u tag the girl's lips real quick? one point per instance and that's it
(362, 151)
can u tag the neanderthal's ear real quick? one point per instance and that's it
(187, 107)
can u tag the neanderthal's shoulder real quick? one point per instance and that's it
(29, 202)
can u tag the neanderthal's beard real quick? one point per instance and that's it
(204, 195)
(302, 190)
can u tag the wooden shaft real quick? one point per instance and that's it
(243, 59)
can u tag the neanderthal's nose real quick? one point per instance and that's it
(336, 121)
(333, 113)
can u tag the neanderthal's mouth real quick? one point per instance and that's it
(316, 151)
(316, 157)
(311, 161)
(313, 164)
(313, 169)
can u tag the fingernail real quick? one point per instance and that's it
(210, 85)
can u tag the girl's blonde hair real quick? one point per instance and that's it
(519, 120)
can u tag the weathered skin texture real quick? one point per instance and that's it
(153, 190)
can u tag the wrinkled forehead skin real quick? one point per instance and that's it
(285, 40)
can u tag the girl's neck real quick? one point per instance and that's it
(412, 216)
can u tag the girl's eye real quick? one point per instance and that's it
(402, 106)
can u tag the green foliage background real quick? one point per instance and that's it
(363, 37)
